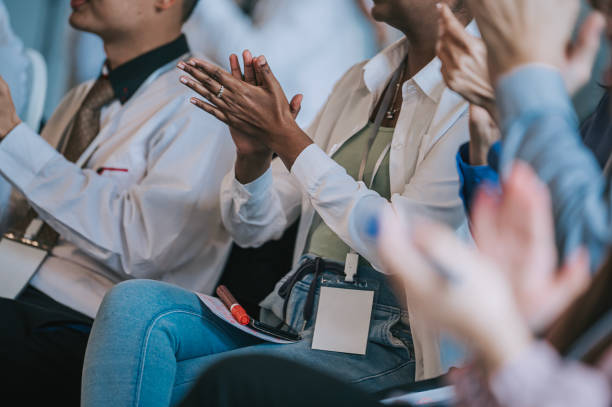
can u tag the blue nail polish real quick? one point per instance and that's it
(372, 227)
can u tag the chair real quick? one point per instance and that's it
(38, 90)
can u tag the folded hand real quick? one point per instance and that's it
(258, 110)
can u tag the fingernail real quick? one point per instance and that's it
(263, 60)
(373, 227)
(438, 6)
(193, 101)
(192, 63)
(181, 65)
(183, 79)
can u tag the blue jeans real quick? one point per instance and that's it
(151, 340)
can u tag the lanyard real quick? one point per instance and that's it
(352, 258)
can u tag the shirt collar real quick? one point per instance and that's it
(378, 70)
(127, 78)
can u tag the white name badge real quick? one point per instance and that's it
(18, 263)
(343, 320)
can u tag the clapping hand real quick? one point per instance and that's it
(519, 32)
(493, 295)
(454, 287)
(259, 110)
(516, 232)
(464, 61)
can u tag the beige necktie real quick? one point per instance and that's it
(84, 130)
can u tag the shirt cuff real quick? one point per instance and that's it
(23, 154)
(471, 176)
(531, 88)
(310, 168)
(255, 189)
(494, 156)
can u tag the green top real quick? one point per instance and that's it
(322, 241)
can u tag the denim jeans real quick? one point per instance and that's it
(151, 340)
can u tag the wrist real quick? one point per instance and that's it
(251, 166)
(12, 125)
(478, 153)
(289, 144)
(504, 344)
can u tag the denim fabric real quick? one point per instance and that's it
(151, 340)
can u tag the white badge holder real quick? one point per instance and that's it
(20, 259)
(344, 314)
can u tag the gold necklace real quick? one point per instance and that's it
(390, 115)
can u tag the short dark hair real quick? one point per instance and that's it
(188, 7)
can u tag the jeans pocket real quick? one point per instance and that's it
(388, 329)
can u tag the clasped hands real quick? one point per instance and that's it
(254, 106)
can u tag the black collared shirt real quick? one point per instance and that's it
(127, 78)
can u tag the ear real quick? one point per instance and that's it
(161, 5)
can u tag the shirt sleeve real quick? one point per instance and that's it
(260, 211)
(540, 128)
(147, 229)
(471, 177)
(541, 378)
(347, 206)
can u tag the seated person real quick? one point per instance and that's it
(134, 193)
(521, 370)
(151, 340)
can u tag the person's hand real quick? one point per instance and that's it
(464, 61)
(516, 233)
(246, 145)
(483, 134)
(260, 111)
(454, 287)
(253, 156)
(519, 32)
(8, 114)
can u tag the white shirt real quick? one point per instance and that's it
(15, 65)
(309, 44)
(15, 70)
(433, 123)
(160, 219)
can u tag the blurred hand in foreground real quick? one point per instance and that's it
(495, 295)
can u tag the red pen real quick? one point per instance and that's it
(230, 302)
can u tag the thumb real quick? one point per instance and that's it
(264, 73)
(296, 105)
